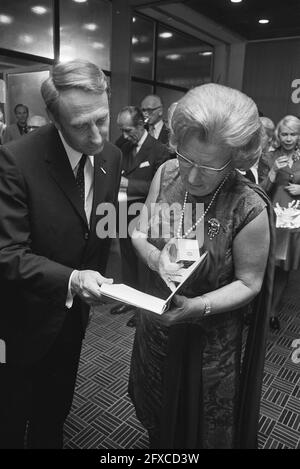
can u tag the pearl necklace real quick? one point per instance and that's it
(189, 231)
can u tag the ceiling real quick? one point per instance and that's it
(242, 18)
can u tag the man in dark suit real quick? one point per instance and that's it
(142, 155)
(152, 108)
(51, 259)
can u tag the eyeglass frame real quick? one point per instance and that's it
(150, 110)
(199, 166)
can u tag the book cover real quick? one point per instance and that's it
(134, 297)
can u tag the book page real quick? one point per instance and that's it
(131, 296)
(121, 292)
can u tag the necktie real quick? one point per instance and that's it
(249, 175)
(134, 150)
(79, 179)
(129, 160)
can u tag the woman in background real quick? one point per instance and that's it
(282, 184)
(269, 128)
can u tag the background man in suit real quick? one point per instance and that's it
(51, 182)
(14, 131)
(152, 108)
(142, 155)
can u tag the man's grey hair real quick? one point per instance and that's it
(222, 116)
(78, 74)
(156, 97)
(135, 114)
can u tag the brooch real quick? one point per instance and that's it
(296, 155)
(213, 228)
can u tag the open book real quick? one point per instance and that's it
(131, 296)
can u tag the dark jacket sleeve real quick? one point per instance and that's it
(138, 187)
(18, 263)
(164, 155)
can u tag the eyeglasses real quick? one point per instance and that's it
(149, 110)
(188, 162)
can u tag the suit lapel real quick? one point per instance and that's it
(164, 134)
(61, 171)
(141, 156)
(100, 184)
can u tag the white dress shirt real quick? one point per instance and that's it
(157, 129)
(74, 158)
(255, 173)
(253, 170)
(141, 141)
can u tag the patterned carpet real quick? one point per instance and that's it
(102, 416)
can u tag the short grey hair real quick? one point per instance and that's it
(222, 116)
(156, 97)
(292, 122)
(79, 74)
(135, 113)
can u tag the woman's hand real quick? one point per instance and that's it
(279, 163)
(166, 267)
(293, 189)
(184, 308)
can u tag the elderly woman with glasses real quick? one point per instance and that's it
(189, 385)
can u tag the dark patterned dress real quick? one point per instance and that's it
(185, 379)
(287, 240)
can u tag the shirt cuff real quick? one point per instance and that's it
(70, 296)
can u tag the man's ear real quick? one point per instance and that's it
(52, 119)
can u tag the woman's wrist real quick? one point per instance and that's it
(207, 305)
(199, 305)
(153, 259)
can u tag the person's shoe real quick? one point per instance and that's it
(274, 323)
(120, 309)
(131, 322)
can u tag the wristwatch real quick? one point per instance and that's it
(207, 305)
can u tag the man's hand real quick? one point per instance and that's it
(86, 284)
